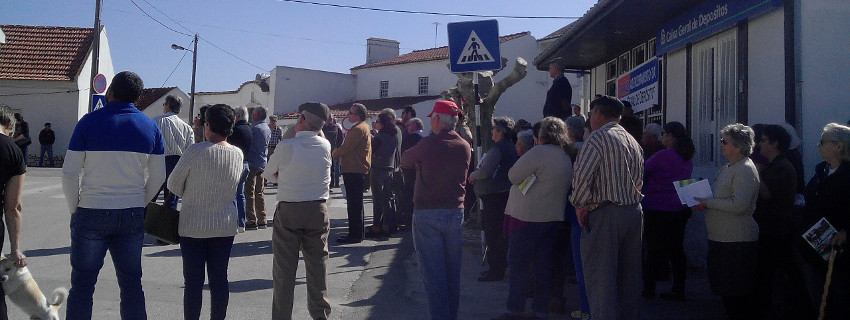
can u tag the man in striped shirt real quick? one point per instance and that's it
(607, 192)
(177, 135)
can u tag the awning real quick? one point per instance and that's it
(608, 29)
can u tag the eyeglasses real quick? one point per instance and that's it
(823, 142)
(724, 142)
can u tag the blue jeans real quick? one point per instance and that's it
(575, 242)
(530, 248)
(93, 231)
(240, 196)
(214, 253)
(437, 237)
(49, 150)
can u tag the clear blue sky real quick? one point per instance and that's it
(269, 33)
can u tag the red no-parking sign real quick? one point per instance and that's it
(99, 83)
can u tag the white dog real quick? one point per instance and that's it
(24, 293)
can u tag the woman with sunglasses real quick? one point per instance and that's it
(732, 232)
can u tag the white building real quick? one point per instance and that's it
(45, 74)
(250, 94)
(746, 61)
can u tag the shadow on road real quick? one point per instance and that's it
(47, 252)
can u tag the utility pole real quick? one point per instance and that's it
(95, 61)
(436, 27)
(194, 66)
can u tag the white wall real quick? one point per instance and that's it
(766, 69)
(60, 109)
(676, 68)
(243, 97)
(825, 79)
(84, 76)
(291, 87)
(404, 79)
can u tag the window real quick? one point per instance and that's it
(423, 85)
(624, 63)
(639, 54)
(611, 78)
(385, 88)
(650, 48)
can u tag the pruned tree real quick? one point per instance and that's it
(488, 94)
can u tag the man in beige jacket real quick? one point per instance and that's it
(355, 156)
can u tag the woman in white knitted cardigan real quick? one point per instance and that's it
(205, 178)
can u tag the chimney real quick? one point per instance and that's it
(378, 50)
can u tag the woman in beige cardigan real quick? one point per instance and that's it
(732, 232)
(531, 216)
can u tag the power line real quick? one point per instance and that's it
(427, 12)
(41, 93)
(175, 68)
(232, 55)
(169, 18)
(157, 21)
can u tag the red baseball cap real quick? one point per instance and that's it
(445, 107)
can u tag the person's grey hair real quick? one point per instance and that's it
(448, 121)
(840, 133)
(503, 124)
(174, 103)
(795, 139)
(653, 129)
(417, 123)
(742, 137)
(575, 126)
(7, 116)
(360, 110)
(388, 112)
(313, 122)
(241, 113)
(526, 139)
(260, 110)
(553, 131)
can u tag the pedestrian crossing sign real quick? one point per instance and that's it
(474, 46)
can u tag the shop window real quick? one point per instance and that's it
(624, 63)
(650, 48)
(639, 54)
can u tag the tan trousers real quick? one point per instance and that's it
(300, 226)
(255, 200)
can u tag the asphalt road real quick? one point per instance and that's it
(370, 280)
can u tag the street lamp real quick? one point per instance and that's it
(194, 66)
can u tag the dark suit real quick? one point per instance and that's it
(558, 99)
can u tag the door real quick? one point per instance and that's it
(714, 79)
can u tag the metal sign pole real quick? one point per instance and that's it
(477, 140)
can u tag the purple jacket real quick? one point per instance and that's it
(660, 171)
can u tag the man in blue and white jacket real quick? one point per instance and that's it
(114, 166)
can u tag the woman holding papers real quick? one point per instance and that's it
(665, 217)
(827, 197)
(531, 217)
(732, 232)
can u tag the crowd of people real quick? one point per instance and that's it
(571, 197)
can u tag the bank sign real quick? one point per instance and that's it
(640, 86)
(706, 19)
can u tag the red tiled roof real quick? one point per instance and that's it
(373, 106)
(427, 54)
(264, 86)
(43, 53)
(149, 95)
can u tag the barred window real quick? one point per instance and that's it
(385, 88)
(423, 85)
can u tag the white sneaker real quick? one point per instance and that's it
(240, 229)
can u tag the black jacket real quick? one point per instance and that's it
(558, 99)
(47, 137)
(241, 137)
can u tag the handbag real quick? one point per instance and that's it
(23, 143)
(161, 222)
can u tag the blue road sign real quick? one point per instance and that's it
(98, 101)
(474, 46)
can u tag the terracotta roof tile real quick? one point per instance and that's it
(427, 54)
(43, 53)
(264, 86)
(149, 95)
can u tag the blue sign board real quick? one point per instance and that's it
(640, 86)
(706, 19)
(97, 101)
(474, 46)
